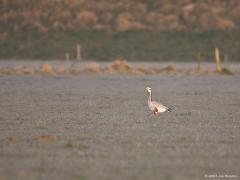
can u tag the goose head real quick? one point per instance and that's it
(148, 89)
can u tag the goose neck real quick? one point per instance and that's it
(150, 96)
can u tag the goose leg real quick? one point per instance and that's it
(155, 111)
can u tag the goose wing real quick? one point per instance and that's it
(160, 107)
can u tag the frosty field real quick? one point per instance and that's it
(99, 127)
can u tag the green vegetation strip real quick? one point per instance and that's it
(131, 45)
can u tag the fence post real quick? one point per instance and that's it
(218, 60)
(78, 56)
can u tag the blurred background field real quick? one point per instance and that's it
(153, 30)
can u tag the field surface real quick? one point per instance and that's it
(99, 127)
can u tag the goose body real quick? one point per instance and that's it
(154, 106)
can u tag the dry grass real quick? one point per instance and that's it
(27, 70)
(62, 69)
(226, 71)
(61, 15)
(13, 139)
(92, 68)
(143, 70)
(126, 21)
(46, 138)
(118, 66)
(86, 19)
(46, 68)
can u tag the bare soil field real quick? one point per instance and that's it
(99, 127)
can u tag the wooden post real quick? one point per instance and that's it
(78, 55)
(67, 56)
(199, 62)
(218, 60)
